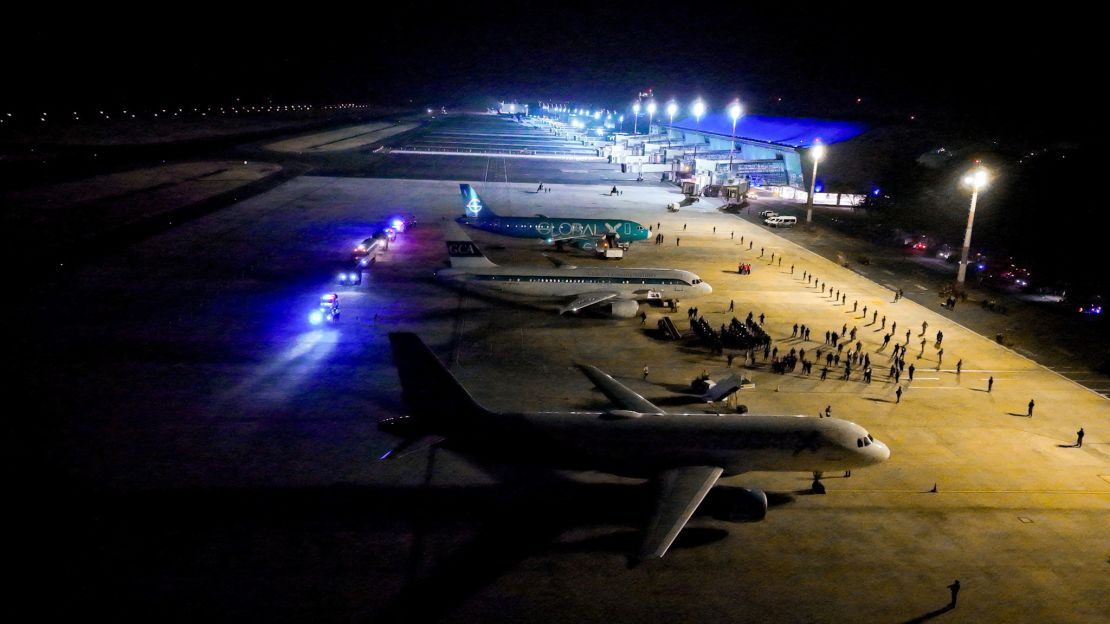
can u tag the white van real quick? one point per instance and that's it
(780, 221)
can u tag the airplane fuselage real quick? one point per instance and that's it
(555, 228)
(642, 445)
(638, 284)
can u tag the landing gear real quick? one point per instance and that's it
(817, 487)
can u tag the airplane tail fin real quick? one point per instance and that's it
(436, 402)
(473, 205)
(461, 251)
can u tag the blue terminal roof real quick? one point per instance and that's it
(788, 131)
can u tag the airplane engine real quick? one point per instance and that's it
(735, 504)
(625, 308)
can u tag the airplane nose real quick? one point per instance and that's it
(708, 288)
(879, 452)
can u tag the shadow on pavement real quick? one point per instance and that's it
(930, 615)
(382, 553)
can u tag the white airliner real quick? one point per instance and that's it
(619, 290)
(684, 453)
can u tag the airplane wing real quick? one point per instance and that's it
(681, 490)
(617, 392)
(542, 216)
(587, 300)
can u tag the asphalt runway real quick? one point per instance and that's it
(490, 133)
(474, 168)
(207, 454)
(477, 148)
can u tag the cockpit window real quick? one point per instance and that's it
(859, 442)
(697, 281)
(866, 442)
(870, 437)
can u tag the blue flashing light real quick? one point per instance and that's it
(398, 224)
(875, 192)
(819, 187)
(316, 317)
(982, 266)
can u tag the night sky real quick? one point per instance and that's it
(949, 64)
(988, 83)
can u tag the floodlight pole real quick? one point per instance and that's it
(812, 187)
(967, 239)
(732, 146)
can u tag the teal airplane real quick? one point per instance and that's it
(582, 233)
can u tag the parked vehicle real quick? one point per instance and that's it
(780, 221)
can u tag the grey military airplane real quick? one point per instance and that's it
(614, 291)
(684, 453)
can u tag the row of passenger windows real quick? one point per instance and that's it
(575, 228)
(581, 280)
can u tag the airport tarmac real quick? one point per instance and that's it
(224, 451)
(214, 457)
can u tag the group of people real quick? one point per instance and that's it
(744, 269)
(747, 335)
(844, 349)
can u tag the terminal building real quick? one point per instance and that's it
(762, 150)
(712, 156)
